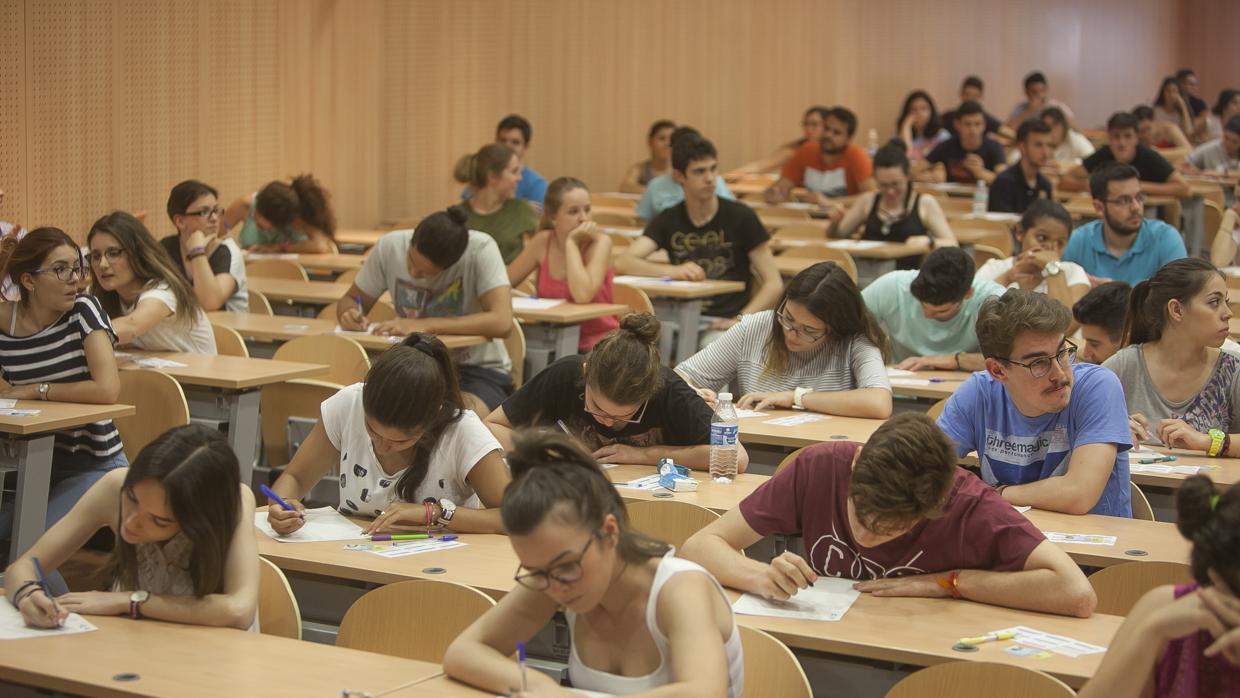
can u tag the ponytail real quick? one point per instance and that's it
(475, 170)
(1177, 280)
(314, 206)
(1212, 523)
(624, 365)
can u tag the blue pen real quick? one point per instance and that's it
(448, 537)
(38, 570)
(270, 494)
(521, 662)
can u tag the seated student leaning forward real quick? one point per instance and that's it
(1049, 432)
(899, 516)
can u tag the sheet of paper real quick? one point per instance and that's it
(893, 372)
(324, 523)
(650, 482)
(1143, 453)
(11, 412)
(367, 333)
(745, 414)
(415, 547)
(1022, 509)
(793, 420)
(1081, 538)
(6, 404)
(149, 361)
(828, 599)
(653, 281)
(1052, 643)
(991, 216)
(855, 244)
(910, 381)
(526, 303)
(12, 627)
(271, 255)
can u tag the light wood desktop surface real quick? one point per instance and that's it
(884, 250)
(942, 384)
(658, 288)
(358, 236)
(755, 430)
(282, 328)
(1225, 472)
(58, 415)
(315, 262)
(569, 313)
(308, 292)
(185, 661)
(226, 372)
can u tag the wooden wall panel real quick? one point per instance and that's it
(12, 112)
(1208, 44)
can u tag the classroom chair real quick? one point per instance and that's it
(382, 619)
(967, 679)
(1141, 508)
(276, 269)
(632, 296)
(1212, 217)
(346, 360)
(278, 611)
(616, 218)
(228, 342)
(770, 667)
(788, 459)
(381, 311)
(1119, 587)
(936, 410)
(280, 402)
(671, 522)
(825, 254)
(514, 344)
(996, 234)
(159, 405)
(613, 200)
(955, 205)
(347, 276)
(259, 305)
(985, 253)
(801, 231)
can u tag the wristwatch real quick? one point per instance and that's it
(1051, 269)
(449, 510)
(136, 599)
(43, 388)
(798, 395)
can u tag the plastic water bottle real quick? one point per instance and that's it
(872, 136)
(723, 445)
(979, 198)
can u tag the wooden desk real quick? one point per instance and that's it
(755, 430)
(334, 263)
(945, 188)
(551, 333)
(358, 237)
(299, 292)
(29, 447)
(282, 328)
(680, 302)
(226, 389)
(185, 661)
(942, 384)
(1225, 472)
(872, 260)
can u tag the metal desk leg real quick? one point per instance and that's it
(244, 430)
(545, 343)
(688, 315)
(34, 474)
(1193, 212)
(870, 269)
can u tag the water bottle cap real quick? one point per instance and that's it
(726, 397)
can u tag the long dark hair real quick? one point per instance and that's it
(476, 169)
(413, 387)
(553, 476)
(1147, 306)
(149, 261)
(305, 198)
(201, 479)
(25, 256)
(1212, 523)
(932, 126)
(827, 292)
(1162, 88)
(624, 365)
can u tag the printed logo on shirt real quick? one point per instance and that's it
(832, 556)
(593, 437)
(414, 301)
(1025, 450)
(829, 182)
(711, 250)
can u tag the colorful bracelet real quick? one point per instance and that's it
(951, 583)
(1217, 436)
(195, 253)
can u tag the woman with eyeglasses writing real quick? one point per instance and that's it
(819, 350)
(641, 621)
(1182, 390)
(212, 263)
(151, 305)
(57, 345)
(618, 401)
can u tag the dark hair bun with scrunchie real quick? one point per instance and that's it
(1213, 526)
(644, 326)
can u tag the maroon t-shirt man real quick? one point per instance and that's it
(979, 530)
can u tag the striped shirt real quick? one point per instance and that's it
(739, 359)
(56, 354)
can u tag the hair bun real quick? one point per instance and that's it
(535, 448)
(1193, 505)
(457, 214)
(644, 326)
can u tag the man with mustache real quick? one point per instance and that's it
(1123, 245)
(1049, 432)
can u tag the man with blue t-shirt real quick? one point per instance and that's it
(664, 192)
(1124, 245)
(1049, 433)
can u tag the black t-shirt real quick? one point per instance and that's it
(952, 154)
(675, 415)
(721, 247)
(1151, 167)
(1196, 105)
(220, 260)
(949, 122)
(1011, 193)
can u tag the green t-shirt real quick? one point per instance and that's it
(911, 333)
(508, 226)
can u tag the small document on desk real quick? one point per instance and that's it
(13, 412)
(322, 524)
(909, 381)
(402, 548)
(149, 361)
(1051, 643)
(1164, 469)
(13, 626)
(650, 482)
(793, 420)
(368, 332)
(745, 414)
(893, 372)
(527, 303)
(1080, 538)
(854, 244)
(271, 255)
(828, 599)
(652, 281)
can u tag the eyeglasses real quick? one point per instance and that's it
(112, 253)
(564, 573)
(1038, 368)
(799, 330)
(631, 419)
(207, 212)
(891, 186)
(1127, 201)
(64, 272)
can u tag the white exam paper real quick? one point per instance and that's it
(322, 524)
(1081, 538)
(745, 414)
(854, 244)
(893, 372)
(13, 627)
(828, 599)
(1051, 643)
(909, 381)
(793, 420)
(527, 303)
(650, 482)
(414, 547)
(149, 361)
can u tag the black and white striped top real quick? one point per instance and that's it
(739, 359)
(56, 354)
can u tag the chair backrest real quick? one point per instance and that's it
(276, 269)
(613, 200)
(955, 204)
(985, 253)
(380, 621)
(967, 679)
(228, 342)
(671, 521)
(936, 409)
(280, 401)
(346, 360)
(278, 612)
(632, 296)
(770, 667)
(825, 254)
(347, 276)
(626, 220)
(1141, 508)
(514, 343)
(381, 311)
(1211, 219)
(159, 406)
(784, 212)
(259, 305)
(789, 458)
(1119, 587)
(801, 231)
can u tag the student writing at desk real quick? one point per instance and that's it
(57, 345)
(213, 264)
(291, 216)
(403, 460)
(185, 549)
(1100, 314)
(641, 621)
(899, 516)
(618, 401)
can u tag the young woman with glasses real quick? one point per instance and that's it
(211, 262)
(618, 401)
(819, 350)
(1182, 390)
(57, 345)
(640, 620)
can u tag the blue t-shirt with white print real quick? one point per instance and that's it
(1014, 449)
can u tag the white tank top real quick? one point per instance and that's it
(584, 677)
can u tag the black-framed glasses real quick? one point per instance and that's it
(1038, 368)
(64, 272)
(564, 572)
(207, 212)
(786, 322)
(631, 419)
(112, 253)
(1127, 201)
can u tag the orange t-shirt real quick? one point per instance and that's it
(807, 168)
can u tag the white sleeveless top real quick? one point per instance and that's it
(584, 677)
